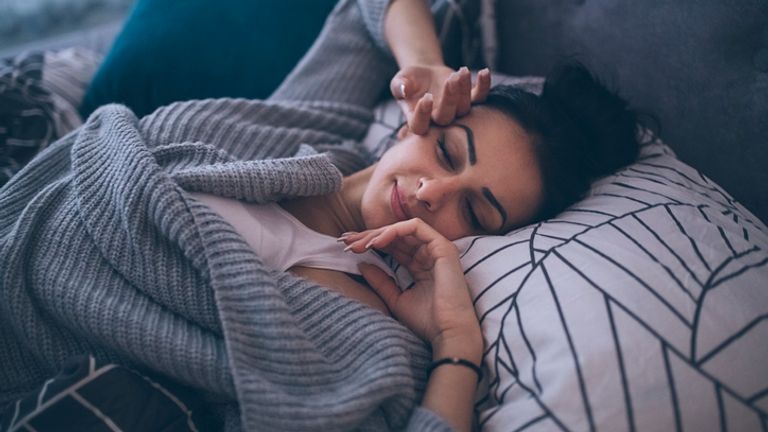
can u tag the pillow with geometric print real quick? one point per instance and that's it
(643, 306)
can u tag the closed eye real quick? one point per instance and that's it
(474, 221)
(444, 151)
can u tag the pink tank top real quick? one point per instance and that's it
(282, 241)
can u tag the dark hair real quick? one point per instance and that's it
(581, 131)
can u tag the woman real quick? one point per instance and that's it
(456, 171)
(122, 210)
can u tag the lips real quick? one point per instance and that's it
(398, 206)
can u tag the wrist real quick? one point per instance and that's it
(419, 59)
(456, 362)
(466, 343)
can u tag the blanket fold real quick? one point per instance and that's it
(104, 252)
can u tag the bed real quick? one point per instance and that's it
(644, 306)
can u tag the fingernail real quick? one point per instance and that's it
(428, 96)
(464, 69)
(402, 90)
(341, 239)
(346, 249)
(370, 243)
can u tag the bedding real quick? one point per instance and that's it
(641, 307)
(82, 397)
(39, 95)
(25, 107)
(104, 253)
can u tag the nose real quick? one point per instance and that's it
(435, 192)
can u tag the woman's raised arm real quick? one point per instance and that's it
(352, 61)
(343, 65)
(426, 89)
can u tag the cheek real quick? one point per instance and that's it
(374, 203)
(404, 159)
(450, 224)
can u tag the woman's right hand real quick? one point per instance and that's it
(438, 307)
(437, 93)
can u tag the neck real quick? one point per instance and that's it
(351, 197)
(335, 213)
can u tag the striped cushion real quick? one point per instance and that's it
(26, 112)
(39, 95)
(644, 306)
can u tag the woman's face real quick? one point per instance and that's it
(476, 176)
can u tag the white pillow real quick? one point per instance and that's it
(642, 307)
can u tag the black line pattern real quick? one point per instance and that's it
(622, 372)
(642, 307)
(672, 391)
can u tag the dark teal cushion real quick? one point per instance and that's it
(171, 50)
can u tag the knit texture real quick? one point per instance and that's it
(103, 251)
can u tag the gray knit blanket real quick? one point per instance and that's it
(102, 251)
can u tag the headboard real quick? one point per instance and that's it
(701, 66)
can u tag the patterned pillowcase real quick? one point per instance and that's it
(644, 306)
(91, 395)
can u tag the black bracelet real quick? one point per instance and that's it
(455, 361)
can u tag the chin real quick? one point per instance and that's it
(376, 211)
(378, 219)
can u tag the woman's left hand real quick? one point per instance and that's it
(438, 307)
(437, 93)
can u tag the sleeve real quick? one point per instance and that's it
(350, 62)
(343, 65)
(373, 13)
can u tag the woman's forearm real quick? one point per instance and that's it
(451, 388)
(410, 33)
(438, 308)
(427, 90)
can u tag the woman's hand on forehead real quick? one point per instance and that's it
(437, 94)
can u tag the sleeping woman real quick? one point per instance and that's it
(207, 243)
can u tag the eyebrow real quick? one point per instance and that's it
(473, 160)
